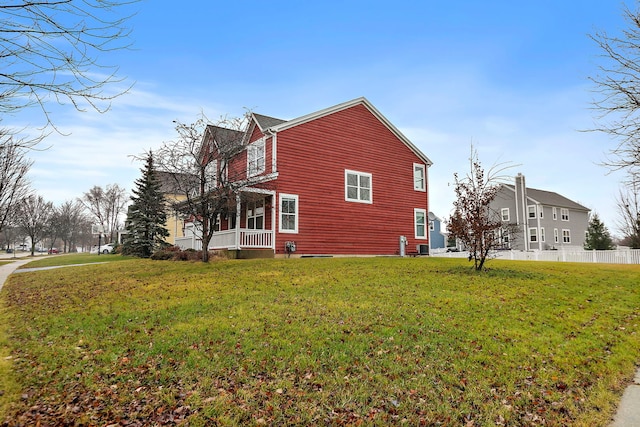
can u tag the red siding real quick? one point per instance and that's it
(312, 159)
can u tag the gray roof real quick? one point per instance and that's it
(265, 122)
(224, 135)
(172, 183)
(549, 198)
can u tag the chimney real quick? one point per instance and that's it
(521, 207)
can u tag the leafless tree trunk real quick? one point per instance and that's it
(68, 222)
(200, 161)
(473, 222)
(14, 184)
(628, 204)
(33, 215)
(107, 206)
(617, 87)
(51, 51)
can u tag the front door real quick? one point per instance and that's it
(255, 215)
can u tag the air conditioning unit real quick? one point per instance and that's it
(423, 249)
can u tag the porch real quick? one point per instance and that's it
(254, 215)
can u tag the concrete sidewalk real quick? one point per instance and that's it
(628, 414)
(7, 269)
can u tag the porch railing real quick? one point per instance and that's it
(190, 242)
(249, 239)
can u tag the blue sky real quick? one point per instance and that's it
(509, 77)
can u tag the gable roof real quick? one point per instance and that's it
(273, 125)
(265, 122)
(550, 198)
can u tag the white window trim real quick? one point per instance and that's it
(556, 236)
(296, 214)
(540, 211)
(562, 214)
(416, 211)
(555, 213)
(502, 214)
(256, 165)
(529, 216)
(422, 167)
(568, 235)
(533, 234)
(347, 172)
(542, 238)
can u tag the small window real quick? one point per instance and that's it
(566, 236)
(255, 158)
(540, 211)
(556, 235)
(564, 214)
(542, 234)
(533, 234)
(532, 211)
(420, 219)
(419, 177)
(358, 186)
(555, 213)
(288, 213)
(504, 213)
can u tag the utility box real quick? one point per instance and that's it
(403, 246)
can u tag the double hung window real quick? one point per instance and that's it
(288, 213)
(255, 158)
(358, 187)
(419, 177)
(420, 220)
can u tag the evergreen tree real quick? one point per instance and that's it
(146, 217)
(598, 236)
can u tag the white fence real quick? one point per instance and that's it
(623, 256)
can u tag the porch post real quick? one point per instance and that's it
(273, 221)
(238, 214)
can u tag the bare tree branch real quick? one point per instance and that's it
(51, 51)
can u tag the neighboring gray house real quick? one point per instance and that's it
(437, 237)
(545, 220)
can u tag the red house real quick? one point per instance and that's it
(339, 181)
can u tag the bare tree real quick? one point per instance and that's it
(617, 86)
(51, 51)
(32, 215)
(107, 206)
(69, 222)
(473, 222)
(628, 204)
(200, 160)
(14, 184)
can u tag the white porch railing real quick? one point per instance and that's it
(249, 239)
(190, 242)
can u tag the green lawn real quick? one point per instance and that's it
(372, 341)
(72, 259)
